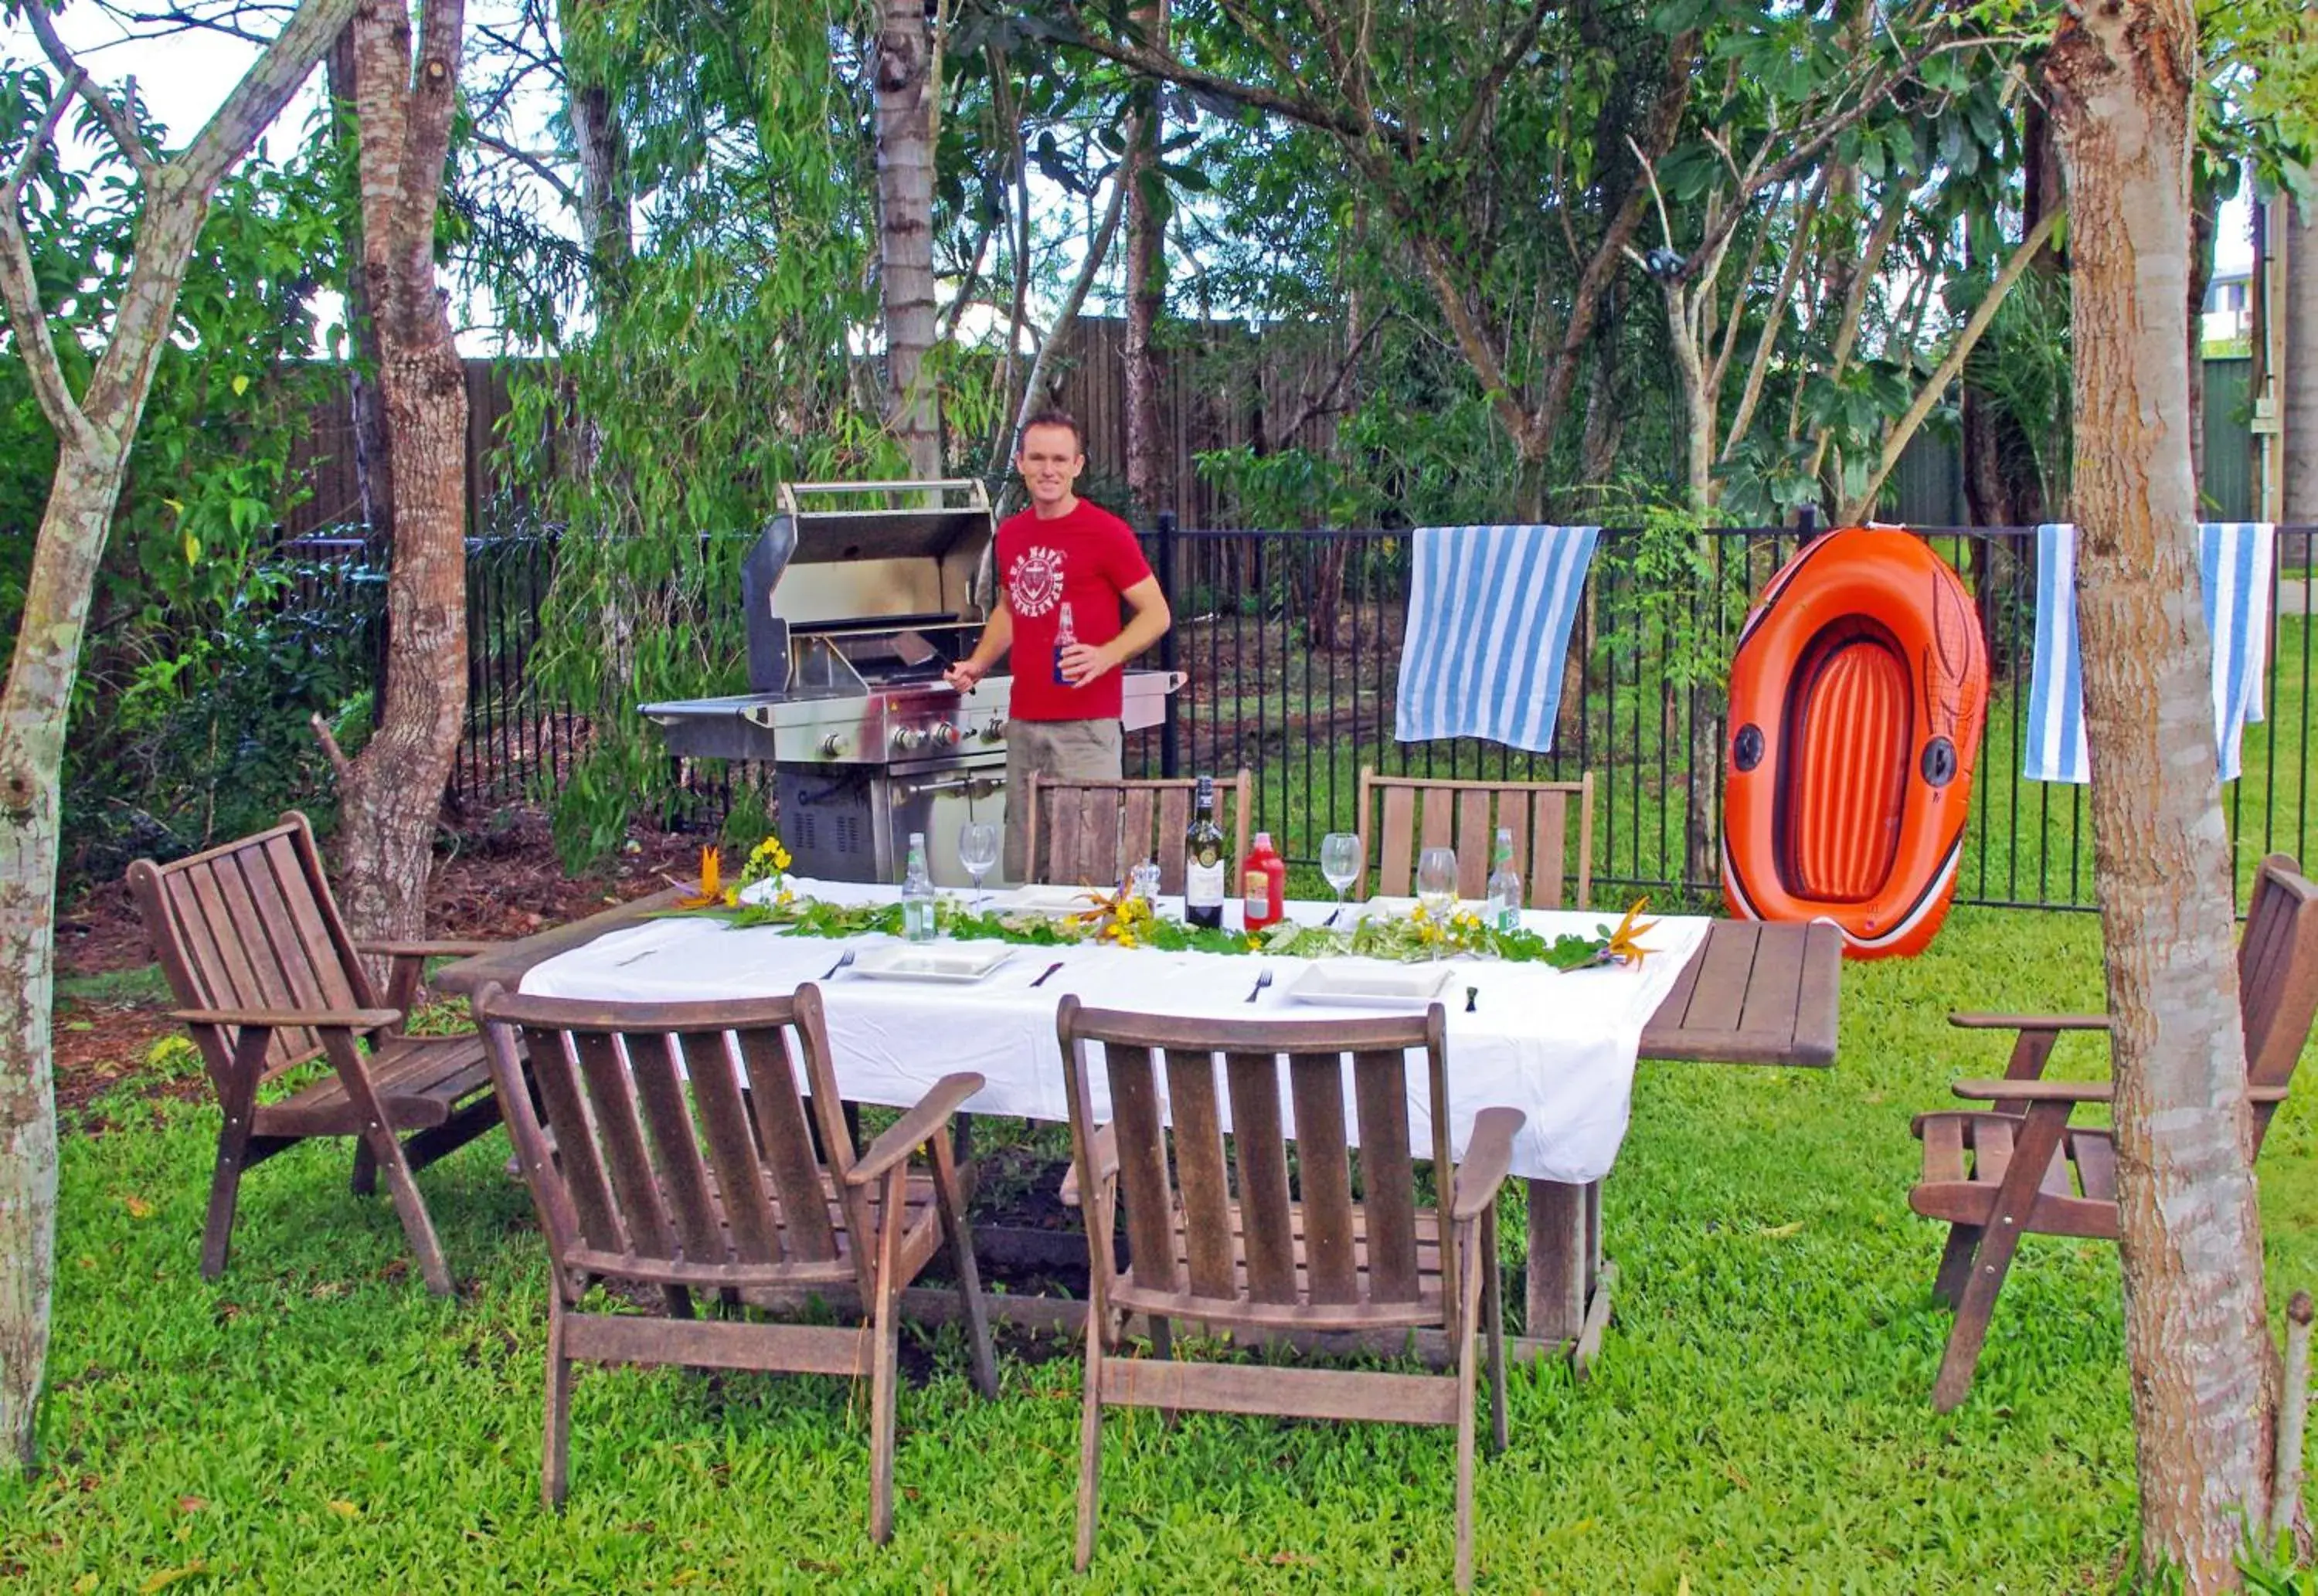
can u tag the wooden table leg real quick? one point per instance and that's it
(1569, 1284)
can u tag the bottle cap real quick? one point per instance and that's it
(1264, 839)
(917, 839)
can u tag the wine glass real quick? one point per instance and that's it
(1340, 863)
(977, 850)
(1436, 886)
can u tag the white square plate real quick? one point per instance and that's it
(1048, 900)
(1370, 983)
(915, 961)
(1383, 908)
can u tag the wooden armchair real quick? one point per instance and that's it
(1287, 1246)
(266, 979)
(1465, 815)
(2021, 1160)
(1090, 833)
(748, 1180)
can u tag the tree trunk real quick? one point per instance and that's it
(365, 408)
(2197, 1340)
(2203, 205)
(34, 708)
(391, 796)
(1147, 476)
(2298, 386)
(601, 140)
(94, 430)
(906, 94)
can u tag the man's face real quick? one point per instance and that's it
(1050, 461)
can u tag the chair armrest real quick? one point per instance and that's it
(2035, 1091)
(426, 950)
(914, 1129)
(2030, 1022)
(1489, 1156)
(1105, 1154)
(352, 1019)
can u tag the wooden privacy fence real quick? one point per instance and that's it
(1222, 386)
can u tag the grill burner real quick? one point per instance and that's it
(854, 611)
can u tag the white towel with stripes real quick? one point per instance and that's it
(2234, 559)
(1489, 613)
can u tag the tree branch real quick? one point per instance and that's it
(116, 121)
(28, 319)
(1485, 92)
(533, 163)
(1159, 63)
(1896, 440)
(58, 104)
(1774, 318)
(262, 92)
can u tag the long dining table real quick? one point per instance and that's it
(1561, 1046)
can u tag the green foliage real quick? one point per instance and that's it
(1759, 1419)
(203, 656)
(716, 367)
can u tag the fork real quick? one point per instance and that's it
(1261, 982)
(844, 960)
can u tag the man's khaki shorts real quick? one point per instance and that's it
(1069, 750)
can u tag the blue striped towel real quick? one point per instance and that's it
(2234, 559)
(1489, 613)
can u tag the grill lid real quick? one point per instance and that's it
(859, 554)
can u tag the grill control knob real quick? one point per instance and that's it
(993, 729)
(945, 736)
(908, 738)
(832, 747)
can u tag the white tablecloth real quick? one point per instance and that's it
(1559, 1047)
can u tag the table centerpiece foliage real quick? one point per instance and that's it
(1122, 918)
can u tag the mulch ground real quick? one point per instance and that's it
(496, 885)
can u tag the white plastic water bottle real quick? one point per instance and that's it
(918, 893)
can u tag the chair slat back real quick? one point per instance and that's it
(252, 925)
(1398, 815)
(1090, 833)
(2277, 977)
(1221, 1083)
(671, 1135)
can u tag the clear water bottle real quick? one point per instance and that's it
(1505, 886)
(918, 893)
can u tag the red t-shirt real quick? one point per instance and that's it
(1086, 560)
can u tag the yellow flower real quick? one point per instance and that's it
(1625, 945)
(712, 884)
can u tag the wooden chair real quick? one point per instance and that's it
(1090, 833)
(2022, 1160)
(1465, 815)
(266, 979)
(1286, 1246)
(744, 1182)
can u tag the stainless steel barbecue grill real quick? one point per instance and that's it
(858, 596)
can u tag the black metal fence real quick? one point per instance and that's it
(514, 746)
(1292, 642)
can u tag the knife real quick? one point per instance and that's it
(1049, 970)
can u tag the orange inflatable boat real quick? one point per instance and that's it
(1857, 696)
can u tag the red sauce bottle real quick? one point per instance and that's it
(1263, 884)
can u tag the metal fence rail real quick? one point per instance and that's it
(1292, 642)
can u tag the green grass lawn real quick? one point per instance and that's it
(1759, 1419)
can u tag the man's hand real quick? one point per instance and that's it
(1083, 662)
(965, 673)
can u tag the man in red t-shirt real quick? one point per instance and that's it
(1062, 554)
